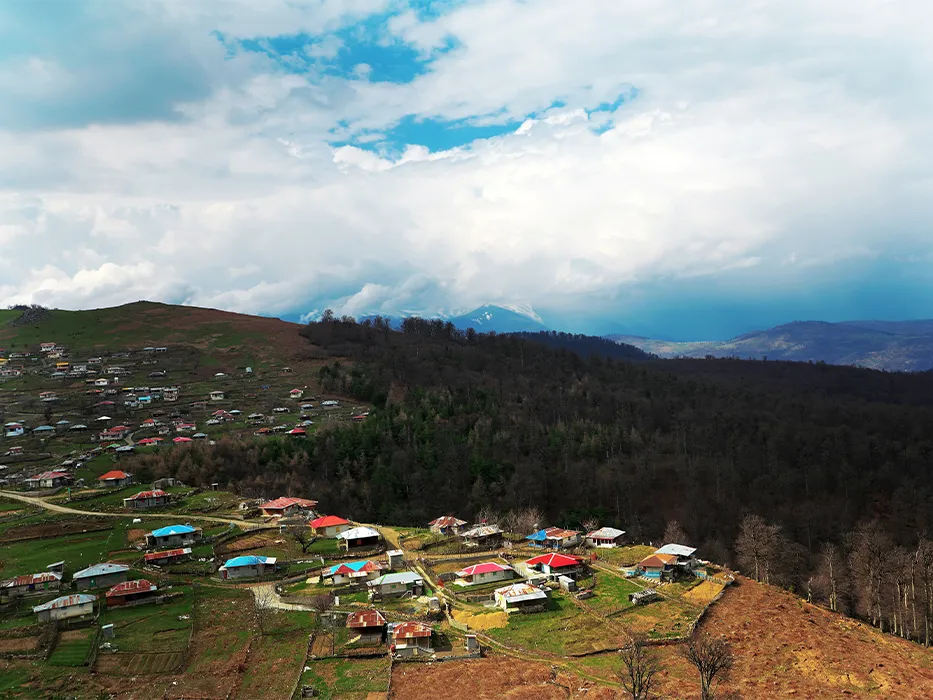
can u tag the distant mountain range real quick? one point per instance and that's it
(888, 345)
(488, 318)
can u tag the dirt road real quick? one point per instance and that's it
(40, 503)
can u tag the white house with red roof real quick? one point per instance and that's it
(287, 505)
(330, 525)
(410, 638)
(487, 572)
(554, 564)
(296, 394)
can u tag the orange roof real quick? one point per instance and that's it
(365, 618)
(411, 630)
(116, 474)
(658, 561)
(328, 521)
(287, 502)
(131, 587)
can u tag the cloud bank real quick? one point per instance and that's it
(696, 168)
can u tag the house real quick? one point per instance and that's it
(329, 526)
(557, 565)
(48, 396)
(16, 450)
(43, 430)
(170, 393)
(185, 427)
(217, 396)
(296, 394)
(10, 372)
(404, 583)
(521, 597)
(14, 430)
(446, 525)
(46, 347)
(359, 538)
(354, 572)
(169, 556)
(249, 566)
(144, 400)
(74, 605)
(47, 480)
(605, 537)
(482, 536)
(555, 538)
(686, 561)
(366, 627)
(173, 536)
(658, 566)
(286, 505)
(117, 432)
(115, 479)
(644, 596)
(410, 638)
(488, 572)
(31, 584)
(130, 592)
(100, 576)
(147, 499)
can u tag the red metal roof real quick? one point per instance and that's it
(447, 521)
(485, 568)
(31, 579)
(131, 587)
(557, 533)
(286, 502)
(328, 521)
(365, 618)
(48, 475)
(554, 561)
(167, 554)
(116, 474)
(157, 493)
(411, 630)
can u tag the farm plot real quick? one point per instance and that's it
(562, 630)
(78, 551)
(350, 679)
(669, 618)
(73, 647)
(53, 528)
(137, 664)
(624, 556)
(274, 663)
(152, 627)
(611, 594)
(18, 645)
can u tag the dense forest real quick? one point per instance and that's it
(807, 475)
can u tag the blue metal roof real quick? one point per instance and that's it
(100, 570)
(539, 536)
(247, 560)
(354, 565)
(173, 530)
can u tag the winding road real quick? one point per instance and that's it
(41, 503)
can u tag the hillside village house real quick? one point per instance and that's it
(521, 597)
(117, 432)
(286, 505)
(46, 347)
(354, 572)
(47, 480)
(130, 592)
(147, 499)
(482, 536)
(250, 566)
(487, 572)
(605, 537)
(410, 638)
(173, 536)
(296, 394)
(359, 538)
(329, 526)
(74, 605)
(446, 525)
(115, 479)
(48, 396)
(31, 584)
(555, 538)
(14, 430)
(169, 556)
(217, 396)
(396, 585)
(170, 394)
(100, 576)
(554, 565)
(685, 559)
(657, 566)
(366, 627)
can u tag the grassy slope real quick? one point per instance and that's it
(147, 323)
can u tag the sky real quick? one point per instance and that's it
(689, 170)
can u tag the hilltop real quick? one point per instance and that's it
(887, 345)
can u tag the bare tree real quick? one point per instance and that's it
(674, 533)
(869, 554)
(303, 535)
(712, 657)
(589, 524)
(322, 603)
(641, 665)
(831, 581)
(529, 519)
(265, 608)
(489, 516)
(758, 546)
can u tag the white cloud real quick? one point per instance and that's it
(760, 133)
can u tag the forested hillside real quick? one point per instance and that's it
(466, 422)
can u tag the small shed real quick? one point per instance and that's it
(367, 627)
(359, 538)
